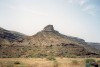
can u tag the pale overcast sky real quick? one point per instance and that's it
(79, 18)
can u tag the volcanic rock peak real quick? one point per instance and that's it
(48, 28)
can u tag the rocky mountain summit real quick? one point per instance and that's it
(49, 28)
(47, 42)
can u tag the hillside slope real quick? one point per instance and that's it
(10, 35)
(95, 45)
(47, 42)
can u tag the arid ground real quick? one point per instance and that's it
(38, 62)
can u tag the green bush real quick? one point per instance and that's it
(52, 58)
(89, 60)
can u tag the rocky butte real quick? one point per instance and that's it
(49, 28)
(47, 42)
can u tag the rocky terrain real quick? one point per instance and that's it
(47, 42)
(96, 45)
(10, 35)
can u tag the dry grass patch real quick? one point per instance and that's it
(38, 62)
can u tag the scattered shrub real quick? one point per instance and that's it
(89, 60)
(71, 56)
(38, 55)
(52, 58)
(16, 62)
(74, 61)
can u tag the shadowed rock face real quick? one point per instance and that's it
(10, 35)
(46, 43)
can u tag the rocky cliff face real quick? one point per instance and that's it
(46, 43)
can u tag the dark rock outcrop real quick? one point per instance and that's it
(10, 35)
(49, 28)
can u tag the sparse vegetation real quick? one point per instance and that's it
(11, 63)
(75, 62)
(71, 56)
(17, 62)
(38, 55)
(89, 60)
(38, 62)
(43, 44)
(52, 58)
